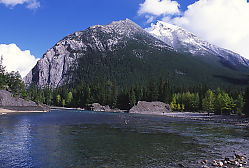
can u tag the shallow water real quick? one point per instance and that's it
(93, 139)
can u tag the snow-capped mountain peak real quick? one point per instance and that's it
(186, 42)
(160, 27)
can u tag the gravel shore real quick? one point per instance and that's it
(31, 109)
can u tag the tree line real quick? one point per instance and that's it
(12, 82)
(192, 99)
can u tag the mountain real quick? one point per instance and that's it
(186, 42)
(87, 50)
(125, 53)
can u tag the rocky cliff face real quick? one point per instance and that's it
(53, 68)
(186, 42)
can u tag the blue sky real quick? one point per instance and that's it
(34, 26)
(39, 29)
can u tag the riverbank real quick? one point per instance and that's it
(10, 103)
(37, 109)
(228, 119)
(65, 108)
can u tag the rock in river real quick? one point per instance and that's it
(157, 108)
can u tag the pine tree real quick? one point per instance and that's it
(246, 99)
(58, 99)
(173, 104)
(132, 98)
(219, 103)
(153, 91)
(227, 104)
(161, 90)
(239, 104)
(114, 95)
(208, 101)
(63, 102)
(69, 98)
(195, 102)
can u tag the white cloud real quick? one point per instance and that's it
(158, 8)
(150, 18)
(220, 22)
(31, 4)
(14, 59)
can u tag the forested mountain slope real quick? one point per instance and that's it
(126, 54)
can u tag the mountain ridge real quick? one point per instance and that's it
(186, 42)
(64, 52)
(124, 52)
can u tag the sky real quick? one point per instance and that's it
(28, 28)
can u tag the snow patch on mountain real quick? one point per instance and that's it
(186, 42)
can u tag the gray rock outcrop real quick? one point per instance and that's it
(157, 108)
(9, 102)
(98, 107)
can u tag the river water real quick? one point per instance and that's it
(70, 138)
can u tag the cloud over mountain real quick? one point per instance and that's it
(221, 22)
(153, 8)
(17, 60)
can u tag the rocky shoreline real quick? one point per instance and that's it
(162, 109)
(11, 104)
(238, 160)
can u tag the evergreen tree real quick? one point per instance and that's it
(63, 102)
(114, 95)
(227, 104)
(132, 98)
(208, 101)
(195, 102)
(139, 92)
(161, 90)
(173, 104)
(58, 100)
(239, 104)
(3, 81)
(246, 99)
(69, 98)
(166, 94)
(153, 91)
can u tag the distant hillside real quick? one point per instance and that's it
(125, 53)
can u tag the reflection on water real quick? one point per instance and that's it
(90, 139)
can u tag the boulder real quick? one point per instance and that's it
(99, 107)
(158, 108)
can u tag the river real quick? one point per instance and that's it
(71, 138)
